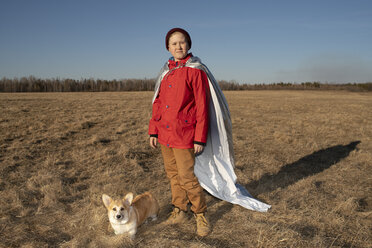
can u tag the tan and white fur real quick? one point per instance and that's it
(127, 214)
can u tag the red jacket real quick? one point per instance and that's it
(180, 111)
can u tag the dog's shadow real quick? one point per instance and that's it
(304, 167)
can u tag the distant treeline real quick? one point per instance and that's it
(359, 87)
(33, 84)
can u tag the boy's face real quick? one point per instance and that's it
(178, 46)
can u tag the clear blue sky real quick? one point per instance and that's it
(247, 41)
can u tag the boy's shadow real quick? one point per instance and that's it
(306, 166)
(290, 174)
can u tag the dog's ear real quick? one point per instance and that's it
(128, 198)
(106, 200)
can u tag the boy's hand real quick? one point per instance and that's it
(153, 142)
(198, 148)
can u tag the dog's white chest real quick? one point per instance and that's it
(130, 228)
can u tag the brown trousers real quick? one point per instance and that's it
(185, 187)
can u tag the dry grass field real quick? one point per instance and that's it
(308, 154)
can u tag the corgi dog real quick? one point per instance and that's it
(127, 214)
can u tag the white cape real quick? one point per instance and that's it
(214, 168)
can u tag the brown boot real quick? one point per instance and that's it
(202, 225)
(177, 216)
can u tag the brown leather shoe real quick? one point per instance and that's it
(177, 216)
(202, 225)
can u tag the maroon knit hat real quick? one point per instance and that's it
(184, 32)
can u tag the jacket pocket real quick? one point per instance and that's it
(186, 120)
(185, 129)
(156, 118)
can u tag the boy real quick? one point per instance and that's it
(180, 124)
